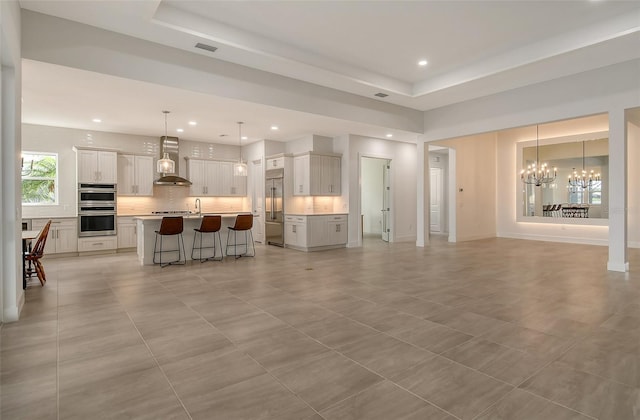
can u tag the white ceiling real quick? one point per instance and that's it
(474, 48)
(65, 97)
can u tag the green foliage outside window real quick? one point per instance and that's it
(39, 177)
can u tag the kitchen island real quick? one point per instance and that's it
(148, 225)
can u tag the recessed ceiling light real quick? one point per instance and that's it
(274, 127)
(180, 130)
(96, 120)
(245, 138)
(423, 62)
(193, 123)
(389, 135)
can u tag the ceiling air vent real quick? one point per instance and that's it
(202, 46)
(381, 95)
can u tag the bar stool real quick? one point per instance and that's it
(170, 226)
(209, 224)
(243, 223)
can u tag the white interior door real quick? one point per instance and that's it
(386, 201)
(436, 199)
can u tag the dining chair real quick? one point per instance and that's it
(37, 252)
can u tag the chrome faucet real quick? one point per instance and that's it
(199, 207)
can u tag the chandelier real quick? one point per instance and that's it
(165, 165)
(583, 180)
(240, 168)
(538, 173)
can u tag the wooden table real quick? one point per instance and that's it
(27, 237)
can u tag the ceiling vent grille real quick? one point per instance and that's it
(202, 46)
(381, 95)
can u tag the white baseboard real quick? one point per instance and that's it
(620, 267)
(405, 238)
(12, 313)
(562, 239)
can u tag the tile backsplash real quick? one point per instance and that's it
(170, 198)
(315, 205)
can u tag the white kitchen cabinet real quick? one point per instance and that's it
(97, 243)
(204, 176)
(317, 175)
(295, 231)
(195, 174)
(215, 178)
(135, 175)
(337, 230)
(63, 235)
(275, 163)
(97, 166)
(331, 175)
(301, 169)
(127, 232)
(315, 232)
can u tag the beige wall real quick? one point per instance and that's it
(633, 187)
(475, 185)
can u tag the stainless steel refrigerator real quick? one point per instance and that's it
(274, 206)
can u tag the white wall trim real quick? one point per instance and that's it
(405, 238)
(620, 267)
(551, 238)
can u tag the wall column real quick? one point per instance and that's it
(12, 293)
(618, 260)
(422, 173)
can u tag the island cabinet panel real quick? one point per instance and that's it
(315, 232)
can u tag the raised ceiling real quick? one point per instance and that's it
(474, 48)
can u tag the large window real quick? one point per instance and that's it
(39, 178)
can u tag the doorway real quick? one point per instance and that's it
(375, 198)
(439, 194)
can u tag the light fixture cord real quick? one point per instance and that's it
(166, 132)
(537, 150)
(240, 140)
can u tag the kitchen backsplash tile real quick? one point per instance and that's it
(169, 198)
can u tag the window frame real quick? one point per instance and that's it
(55, 179)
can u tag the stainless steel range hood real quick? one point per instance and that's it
(169, 145)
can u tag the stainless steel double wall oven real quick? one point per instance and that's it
(96, 209)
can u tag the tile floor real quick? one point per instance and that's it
(491, 329)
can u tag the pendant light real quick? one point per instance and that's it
(165, 165)
(583, 180)
(538, 173)
(240, 168)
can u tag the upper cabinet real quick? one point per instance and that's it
(97, 166)
(135, 175)
(315, 174)
(215, 178)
